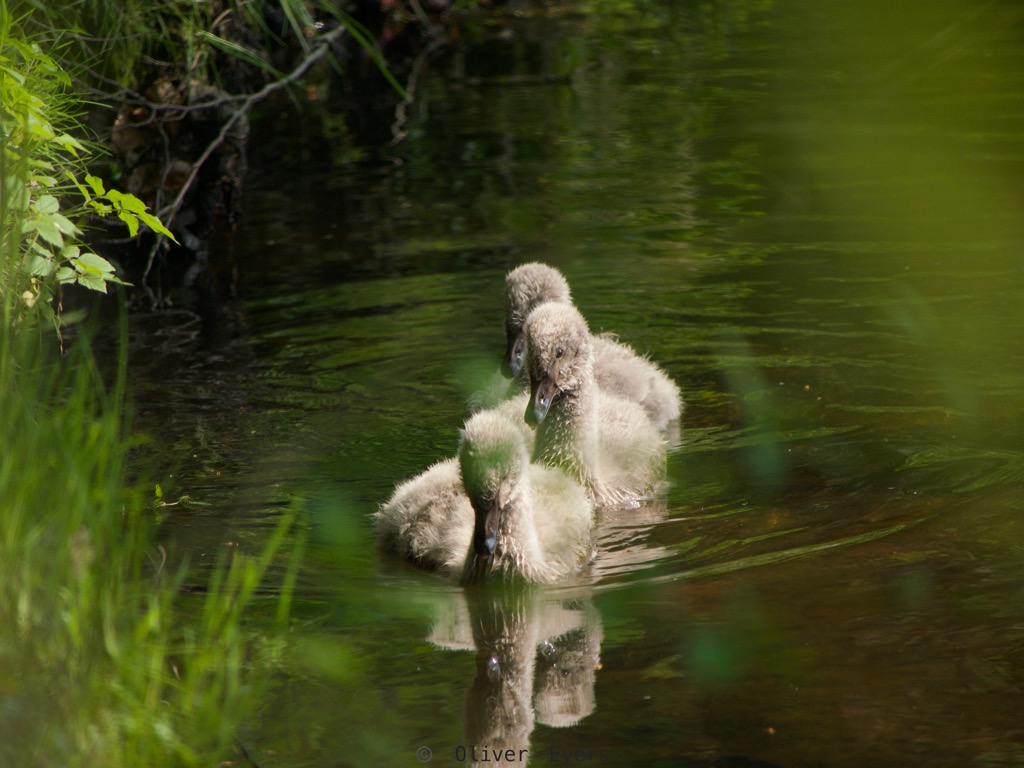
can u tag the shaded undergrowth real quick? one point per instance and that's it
(103, 659)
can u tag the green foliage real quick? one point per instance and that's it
(200, 41)
(103, 660)
(41, 243)
(169, 68)
(114, 666)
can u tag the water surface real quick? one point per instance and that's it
(810, 217)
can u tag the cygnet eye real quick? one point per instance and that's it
(493, 669)
(559, 352)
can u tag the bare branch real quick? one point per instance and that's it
(323, 45)
(398, 130)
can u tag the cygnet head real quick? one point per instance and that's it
(492, 459)
(526, 287)
(559, 358)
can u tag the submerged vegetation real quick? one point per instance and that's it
(105, 661)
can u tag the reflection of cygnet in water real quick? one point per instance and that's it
(536, 659)
(499, 703)
(568, 664)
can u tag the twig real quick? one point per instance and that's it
(424, 19)
(398, 131)
(168, 213)
(247, 103)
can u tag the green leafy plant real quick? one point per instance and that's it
(116, 664)
(51, 236)
(104, 658)
(42, 243)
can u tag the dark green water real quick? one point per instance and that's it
(811, 216)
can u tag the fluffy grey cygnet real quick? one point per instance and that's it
(490, 514)
(618, 369)
(526, 288)
(428, 519)
(606, 442)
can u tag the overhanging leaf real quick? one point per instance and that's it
(93, 283)
(153, 223)
(40, 266)
(41, 249)
(126, 202)
(64, 225)
(96, 183)
(131, 220)
(47, 230)
(47, 204)
(93, 264)
(101, 209)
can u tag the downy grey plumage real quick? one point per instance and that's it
(618, 369)
(606, 442)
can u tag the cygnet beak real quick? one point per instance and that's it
(540, 401)
(515, 353)
(485, 534)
